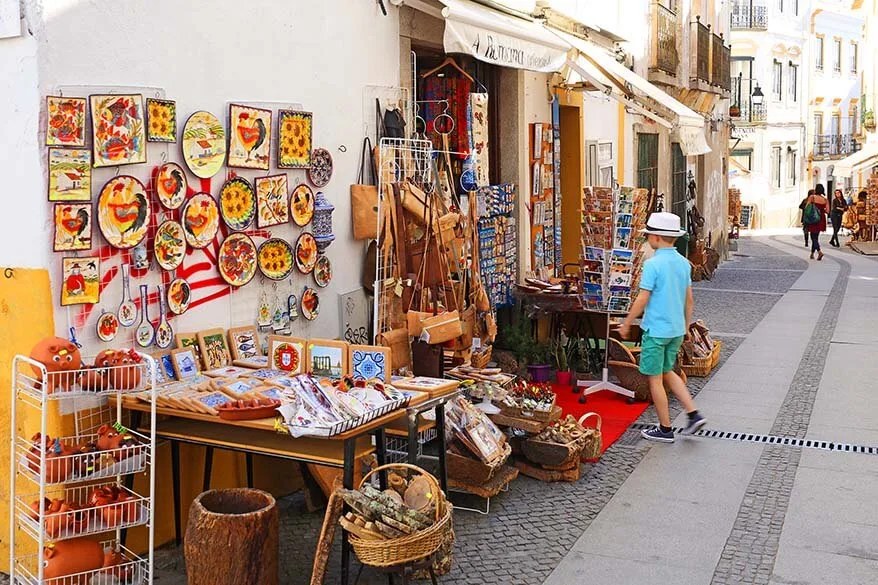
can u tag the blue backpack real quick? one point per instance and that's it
(811, 215)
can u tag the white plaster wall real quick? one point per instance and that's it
(205, 54)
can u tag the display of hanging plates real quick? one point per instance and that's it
(306, 253)
(171, 185)
(310, 304)
(321, 167)
(108, 326)
(179, 296)
(237, 259)
(322, 272)
(170, 245)
(123, 212)
(200, 220)
(275, 258)
(237, 202)
(204, 144)
(302, 205)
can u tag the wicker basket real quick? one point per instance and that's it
(592, 441)
(480, 359)
(551, 454)
(473, 471)
(398, 551)
(715, 354)
(700, 367)
(518, 412)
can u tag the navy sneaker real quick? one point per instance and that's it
(657, 435)
(694, 424)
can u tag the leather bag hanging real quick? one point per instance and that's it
(364, 198)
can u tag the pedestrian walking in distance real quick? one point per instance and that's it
(802, 217)
(814, 217)
(666, 303)
(837, 208)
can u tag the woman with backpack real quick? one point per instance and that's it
(814, 217)
(839, 206)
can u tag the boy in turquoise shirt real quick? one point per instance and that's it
(665, 301)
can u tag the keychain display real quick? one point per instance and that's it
(263, 312)
(127, 308)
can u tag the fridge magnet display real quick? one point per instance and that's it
(322, 272)
(214, 349)
(328, 358)
(179, 296)
(275, 258)
(244, 342)
(249, 137)
(236, 260)
(107, 326)
(145, 333)
(69, 174)
(127, 309)
(118, 130)
(185, 363)
(306, 253)
(169, 245)
(302, 205)
(164, 333)
(80, 281)
(369, 361)
(294, 139)
(286, 354)
(200, 220)
(310, 304)
(237, 203)
(72, 227)
(161, 120)
(123, 212)
(171, 185)
(321, 167)
(204, 144)
(272, 200)
(65, 121)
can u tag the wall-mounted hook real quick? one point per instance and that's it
(342, 148)
(9, 273)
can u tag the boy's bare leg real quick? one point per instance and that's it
(676, 385)
(660, 399)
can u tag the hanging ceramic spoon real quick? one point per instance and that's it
(164, 334)
(145, 333)
(127, 309)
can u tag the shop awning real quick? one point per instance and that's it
(498, 38)
(846, 166)
(626, 86)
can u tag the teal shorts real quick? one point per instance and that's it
(658, 354)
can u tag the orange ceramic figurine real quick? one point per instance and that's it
(61, 358)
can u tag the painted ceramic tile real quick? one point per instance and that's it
(65, 121)
(327, 359)
(294, 139)
(69, 174)
(185, 363)
(214, 349)
(123, 212)
(249, 137)
(286, 354)
(272, 200)
(118, 130)
(244, 342)
(73, 227)
(161, 118)
(370, 362)
(204, 144)
(80, 281)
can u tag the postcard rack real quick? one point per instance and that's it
(65, 490)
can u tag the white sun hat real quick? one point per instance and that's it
(664, 224)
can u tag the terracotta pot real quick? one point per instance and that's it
(122, 374)
(60, 516)
(111, 505)
(59, 464)
(61, 359)
(563, 378)
(94, 380)
(109, 439)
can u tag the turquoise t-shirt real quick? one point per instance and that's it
(668, 276)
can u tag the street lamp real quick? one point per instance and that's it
(757, 96)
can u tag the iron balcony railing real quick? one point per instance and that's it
(700, 53)
(720, 67)
(742, 108)
(663, 25)
(835, 145)
(749, 14)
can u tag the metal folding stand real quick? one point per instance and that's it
(592, 386)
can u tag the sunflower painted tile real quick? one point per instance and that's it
(294, 139)
(161, 119)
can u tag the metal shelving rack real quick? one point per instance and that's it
(51, 468)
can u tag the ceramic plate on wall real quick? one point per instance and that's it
(302, 205)
(108, 326)
(310, 304)
(123, 212)
(237, 259)
(171, 185)
(204, 144)
(238, 203)
(321, 167)
(200, 220)
(179, 296)
(170, 245)
(306, 253)
(322, 272)
(275, 258)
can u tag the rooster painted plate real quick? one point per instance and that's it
(321, 167)
(171, 185)
(275, 258)
(237, 259)
(238, 203)
(200, 220)
(306, 253)
(170, 245)
(302, 205)
(322, 272)
(179, 296)
(310, 304)
(123, 212)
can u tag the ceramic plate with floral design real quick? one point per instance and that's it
(179, 296)
(322, 272)
(237, 259)
(170, 245)
(123, 212)
(306, 253)
(275, 258)
(302, 205)
(108, 326)
(238, 203)
(171, 185)
(310, 304)
(200, 220)
(321, 167)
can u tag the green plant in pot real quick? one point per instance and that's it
(565, 353)
(539, 365)
(869, 119)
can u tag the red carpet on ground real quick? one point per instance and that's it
(616, 414)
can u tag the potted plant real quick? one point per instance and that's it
(869, 120)
(565, 352)
(734, 111)
(539, 365)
